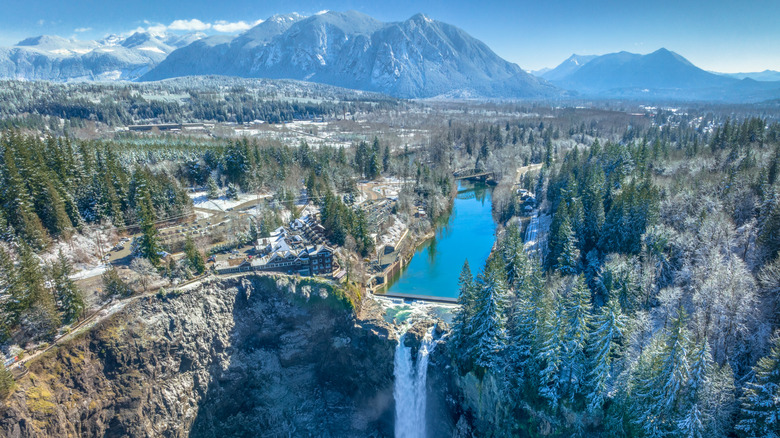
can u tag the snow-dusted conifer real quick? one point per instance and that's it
(212, 190)
(550, 354)
(487, 325)
(607, 328)
(761, 401)
(568, 261)
(577, 314)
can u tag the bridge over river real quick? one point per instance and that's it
(470, 173)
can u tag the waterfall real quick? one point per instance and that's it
(409, 390)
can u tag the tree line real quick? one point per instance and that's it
(654, 309)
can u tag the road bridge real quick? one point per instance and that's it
(472, 174)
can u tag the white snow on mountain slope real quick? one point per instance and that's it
(115, 57)
(419, 57)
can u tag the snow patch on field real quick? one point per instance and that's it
(201, 200)
(89, 273)
(82, 249)
(393, 234)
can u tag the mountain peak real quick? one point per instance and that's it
(664, 53)
(660, 73)
(43, 40)
(420, 17)
(567, 67)
(350, 22)
(353, 50)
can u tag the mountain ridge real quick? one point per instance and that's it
(49, 57)
(659, 74)
(418, 57)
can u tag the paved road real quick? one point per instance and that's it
(532, 234)
(100, 314)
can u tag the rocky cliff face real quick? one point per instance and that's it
(240, 357)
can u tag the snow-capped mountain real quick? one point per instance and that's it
(763, 76)
(567, 67)
(116, 57)
(419, 57)
(661, 74)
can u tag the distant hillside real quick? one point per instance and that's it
(54, 58)
(764, 76)
(567, 67)
(661, 74)
(419, 57)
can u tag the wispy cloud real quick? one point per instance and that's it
(194, 25)
(189, 25)
(82, 29)
(238, 26)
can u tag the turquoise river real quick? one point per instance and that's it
(469, 232)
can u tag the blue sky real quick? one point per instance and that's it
(719, 35)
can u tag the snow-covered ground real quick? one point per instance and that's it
(201, 200)
(203, 214)
(82, 249)
(88, 273)
(394, 233)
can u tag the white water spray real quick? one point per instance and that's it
(410, 391)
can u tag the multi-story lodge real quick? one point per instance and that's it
(284, 252)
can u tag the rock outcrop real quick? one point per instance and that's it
(258, 356)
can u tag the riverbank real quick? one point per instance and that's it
(431, 266)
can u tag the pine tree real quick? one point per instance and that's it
(461, 326)
(39, 318)
(7, 383)
(568, 261)
(761, 400)
(232, 191)
(110, 200)
(212, 190)
(149, 246)
(513, 253)
(550, 353)
(51, 208)
(373, 167)
(660, 381)
(113, 284)
(577, 313)
(487, 325)
(593, 203)
(675, 369)
(69, 298)
(523, 321)
(17, 199)
(10, 296)
(254, 233)
(194, 257)
(607, 329)
(386, 159)
(695, 417)
(557, 235)
(548, 151)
